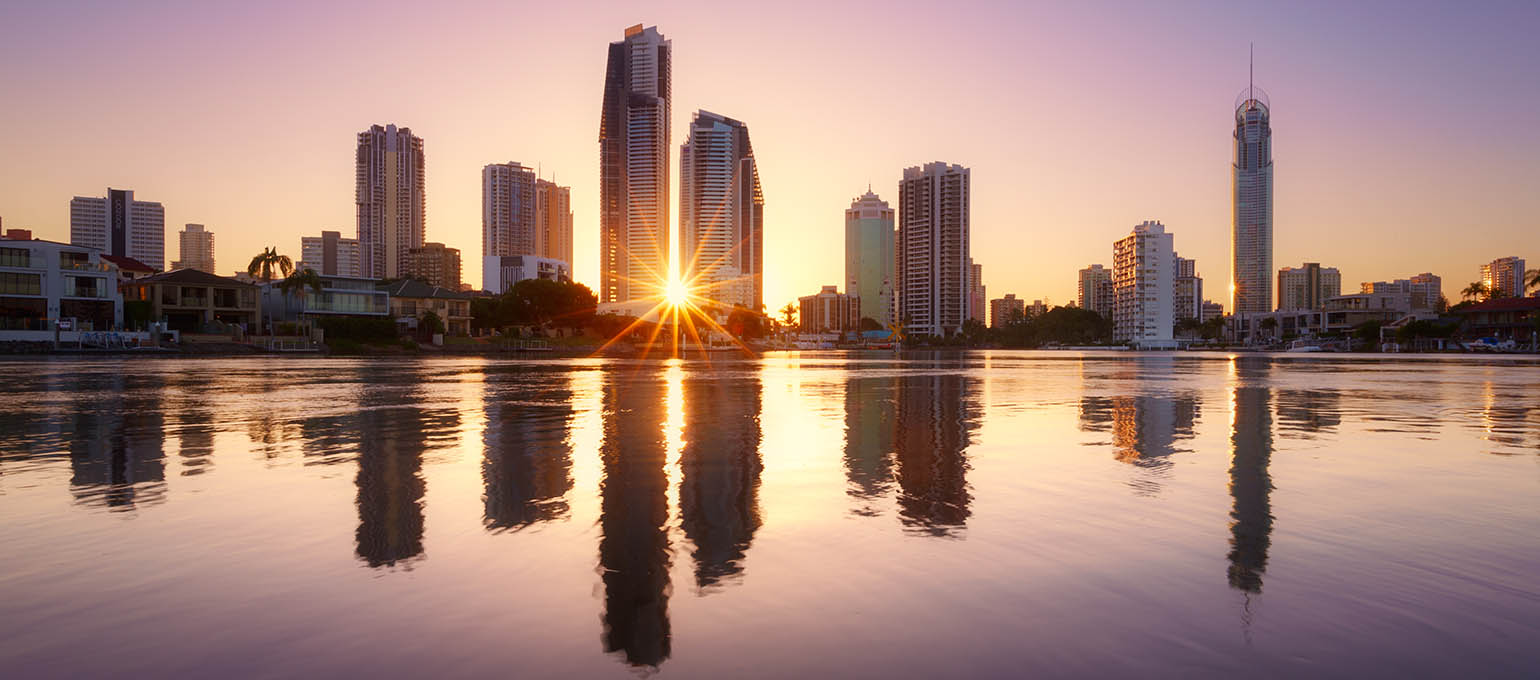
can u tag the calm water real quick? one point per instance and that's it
(987, 514)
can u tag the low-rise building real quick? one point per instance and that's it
(129, 268)
(1425, 290)
(830, 311)
(1510, 318)
(44, 284)
(340, 296)
(500, 272)
(193, 301)
(411, 300)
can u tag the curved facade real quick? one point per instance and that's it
(1251, 238)
(633, 167)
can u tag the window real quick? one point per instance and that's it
(21, 284)
(85, 286)
(15, 257)
(69, 260)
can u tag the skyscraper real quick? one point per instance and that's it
(1095, 290)
(553, 222)
(1251, 239)
(509, 208)
(390, 199)
(933, 252)
(633, 167)
(722, 212)
(1143, 282)
(869, 256)
(120, 225)
(1504, 277)
(196, 248)
(331, 255)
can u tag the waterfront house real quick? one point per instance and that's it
(45, 284)
(410, 300)
(193, 301)
(1508, 318)
(340, 296)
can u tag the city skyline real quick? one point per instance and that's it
(1035, 225)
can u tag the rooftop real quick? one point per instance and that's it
(192, 276)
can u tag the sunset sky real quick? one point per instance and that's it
(1405, 135)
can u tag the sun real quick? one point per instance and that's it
(676, 294)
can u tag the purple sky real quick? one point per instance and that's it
(1404, 132)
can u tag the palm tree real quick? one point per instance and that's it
(268, 263)
(1475, 290)
(1532, 279)
(300, 280)
(789, 314)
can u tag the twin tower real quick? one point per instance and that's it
(721, 224)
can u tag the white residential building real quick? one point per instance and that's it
(119, 225)
(1143, 281)
(331, 255)
(934, 287)
(500, 272)
(43, 283)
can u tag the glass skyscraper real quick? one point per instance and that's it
(722, 212)
(869, 256)
(633, 167)
(1251, 239)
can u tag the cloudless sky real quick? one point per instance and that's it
(1405, 133)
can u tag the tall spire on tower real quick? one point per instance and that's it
(1251, 74)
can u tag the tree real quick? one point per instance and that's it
(431, 323)
(1532, 279)
(299, 281)
(745, 324)
(1477, 290)
(789, 315)
(869, 324)
(268, 263)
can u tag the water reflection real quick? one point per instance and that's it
(634, 553)
(719, 488)
(394, 430)
(1145, 430)
(1251, 486)
(1309, 412)
(871, 425)
(194, 424)
(117, 444)
(527, 469)
(936, 417)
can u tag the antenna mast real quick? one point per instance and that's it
(1251, 75)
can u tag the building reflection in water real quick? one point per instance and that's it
(395, 429)
(720, 465)
(527, 468)
(936, 417)
(117, 445)
(1145, 430)
(1308, 412)
(634, 552)
(1251, 439)
(871, 424)
(193, 422)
